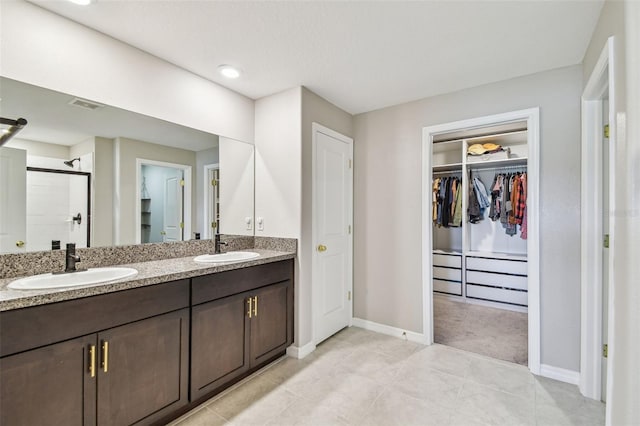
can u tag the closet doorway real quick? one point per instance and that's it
(163, 207)
(480, 236)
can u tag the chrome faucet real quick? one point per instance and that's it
(71, 258)
(218, 243)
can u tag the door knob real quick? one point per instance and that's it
(322, 248)
(19, 243)
(163, 233)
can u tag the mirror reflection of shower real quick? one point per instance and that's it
(70, 162)
(44, 204)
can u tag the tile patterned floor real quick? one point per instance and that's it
(497, 333)
(358, 377)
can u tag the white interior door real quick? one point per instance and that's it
(173, 206)
(13, 200)
(332, 213)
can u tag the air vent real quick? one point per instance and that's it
(83, 103)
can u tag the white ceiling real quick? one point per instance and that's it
(358, 55)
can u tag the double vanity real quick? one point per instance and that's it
(147, 347)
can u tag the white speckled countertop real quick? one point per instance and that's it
(149, 273)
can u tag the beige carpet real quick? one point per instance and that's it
(487, 331)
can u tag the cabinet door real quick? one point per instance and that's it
(219, 341)
(143, 369)
(51, 385)
(271, 322)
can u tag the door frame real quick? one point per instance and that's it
(532, 117)
(208, 215)
(601, 79)
(315, 129)
(186, 207)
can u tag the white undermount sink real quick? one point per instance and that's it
(232, 256)
(73, 279)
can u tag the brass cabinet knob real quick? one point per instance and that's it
(163, 233)
(322, 248)
(19, 243)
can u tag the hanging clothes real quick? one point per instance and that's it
(435, 192)
(445, 205)
(481, 193)
(509, 202)
(457, 215)
(478, 200)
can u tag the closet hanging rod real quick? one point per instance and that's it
(450, 172)
(478, 169)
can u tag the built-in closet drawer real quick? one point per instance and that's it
(497, 280)
(448, 274)
(502, 266)
(513, 297)
(447, 260)
(448, 287)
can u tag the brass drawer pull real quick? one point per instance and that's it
(249, 301)
(255, 306)
(105, 356)
(92, 360)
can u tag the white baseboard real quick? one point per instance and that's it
(561, 374)
(300, 352)
(388, 330)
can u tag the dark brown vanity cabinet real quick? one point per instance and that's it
(49, 385)
(134, 370)
(240, 320)
(123, 358)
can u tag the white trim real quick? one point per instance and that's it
(207, 216)
(390, 331)
(186, 212)
(300, 352)
(315, 129)
(600, 80)
(532, 116)
(561, 374)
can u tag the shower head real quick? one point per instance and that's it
(70, 162)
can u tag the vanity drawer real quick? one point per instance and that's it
(27, 328)
(497, 280)
(448, 260)
(223, 284)
(513, 297)
(448, 287)
(505, 266)
(449, 274)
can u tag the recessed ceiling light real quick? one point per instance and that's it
(82, 2)
(229, 71)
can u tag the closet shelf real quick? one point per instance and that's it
(520, 161)
(447, 167)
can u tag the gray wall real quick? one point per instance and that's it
(387, 246)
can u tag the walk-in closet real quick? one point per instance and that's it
(479, 222)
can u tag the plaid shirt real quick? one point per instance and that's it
(520, 198)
